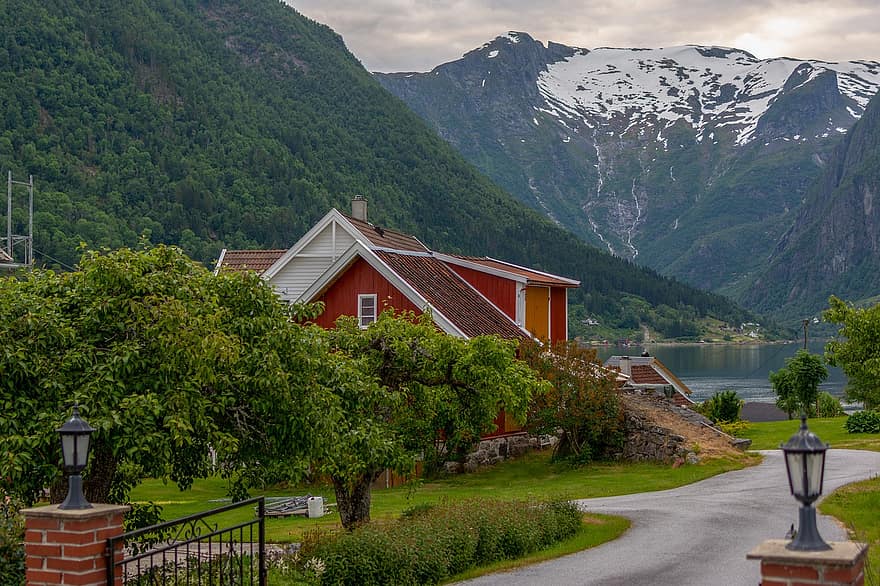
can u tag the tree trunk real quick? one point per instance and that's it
(96, 484)
(353, 500)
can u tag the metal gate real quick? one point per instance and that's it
(193, 550)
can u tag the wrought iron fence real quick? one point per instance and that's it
(192, 550)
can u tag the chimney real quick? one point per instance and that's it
(359, 208)
(625, 365)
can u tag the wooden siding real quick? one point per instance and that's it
(310, 263)
(500, 291)
(360, 279)
(558, 314)
(538, 312)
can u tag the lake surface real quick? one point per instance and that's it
(744, 368)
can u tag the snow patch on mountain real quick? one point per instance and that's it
(708, 87)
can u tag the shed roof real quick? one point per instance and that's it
(249, 260)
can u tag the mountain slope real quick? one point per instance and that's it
(691, 160)
(834, 244)
(237, 124)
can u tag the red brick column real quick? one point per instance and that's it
(68, 546)
(842, 565)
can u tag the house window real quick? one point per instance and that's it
(366, 309)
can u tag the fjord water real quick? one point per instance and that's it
(744, 368)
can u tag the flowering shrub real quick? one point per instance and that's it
(439, 542)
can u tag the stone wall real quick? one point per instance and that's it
(497, 449)
(648, 442)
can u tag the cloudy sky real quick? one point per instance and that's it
(416, 35)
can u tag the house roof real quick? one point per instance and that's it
(451, 295)
(385, 238)
(516, 272)
(647, 371)
(248, 260)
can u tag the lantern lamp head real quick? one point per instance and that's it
(75, 438)
(805, 464)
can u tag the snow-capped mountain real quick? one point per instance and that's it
(707, 87)
(690, 159)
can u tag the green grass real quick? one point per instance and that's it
(768, 435)
(857, 506)
(530, 477)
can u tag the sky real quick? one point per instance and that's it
(417, 35)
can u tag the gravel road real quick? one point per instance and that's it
(696, 534)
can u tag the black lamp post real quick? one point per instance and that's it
(805, 464)
(75, 435)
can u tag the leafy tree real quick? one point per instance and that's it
(856, 349)
(582, 401)
(167, 361)
(425, 393)
(797, 384)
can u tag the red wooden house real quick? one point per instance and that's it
(356, 268)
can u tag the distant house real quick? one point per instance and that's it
(357, 269)
(648, 373)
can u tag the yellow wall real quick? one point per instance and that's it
(538, 312)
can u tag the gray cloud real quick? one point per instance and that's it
(416, 35)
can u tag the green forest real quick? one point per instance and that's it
(233, 124)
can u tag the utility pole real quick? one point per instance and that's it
(13, 239)
(806, 325)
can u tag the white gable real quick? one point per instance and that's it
(309, 258)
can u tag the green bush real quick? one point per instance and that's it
(829, 406)
(722, 407)
(863, 422)
(440, 542)
(11, 542)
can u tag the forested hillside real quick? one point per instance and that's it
(237, 124)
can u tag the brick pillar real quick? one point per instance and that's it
(68, 546)
(842, 565)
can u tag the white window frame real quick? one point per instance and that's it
(362, 316)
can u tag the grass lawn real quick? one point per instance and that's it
(530, 477)
(858, 507)
(768, 436)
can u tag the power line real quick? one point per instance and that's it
(53, 259)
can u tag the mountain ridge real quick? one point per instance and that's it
(691, 160)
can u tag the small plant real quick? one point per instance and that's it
(722, 407)
(828, 405)
(736, 429)
(863, 422)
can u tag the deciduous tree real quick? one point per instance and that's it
(797, 384)
(856, 349)
(167, 361)
(428, 394)
(582, 400)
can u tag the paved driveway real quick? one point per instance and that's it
(697, 534)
